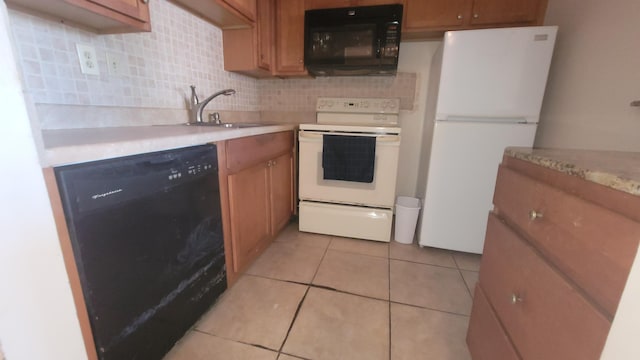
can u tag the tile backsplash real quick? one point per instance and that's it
(159, 66)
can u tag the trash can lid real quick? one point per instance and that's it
(409, 202)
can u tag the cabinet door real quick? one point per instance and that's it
(132, 8)
(289, 37)
(486, 12)
(281, 191)
(264, 27)
(436, 14)
(249, 205)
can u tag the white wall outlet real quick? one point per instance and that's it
(88, 59)
(115, 63)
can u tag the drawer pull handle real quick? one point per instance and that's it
(515, 299)
(535, 215)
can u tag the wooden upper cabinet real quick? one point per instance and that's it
(436, 14)
(101, 16)
(330, 4)
(250, 51)
(225, 14)
(136, 9)
(326, 4)
(375, 2)
(489, 12)
(245, 7)
(289, 39)
(264, 33)
(429, 18)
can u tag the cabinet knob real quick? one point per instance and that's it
(475, 16)
(459, 17)
(533, 215)
(515, 298)
(300, 61)
(273, 163)
(145, 1)
(269, 163)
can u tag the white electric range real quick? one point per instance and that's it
(361, 208)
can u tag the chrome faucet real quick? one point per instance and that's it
(196, 107)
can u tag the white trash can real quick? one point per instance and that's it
(407, 210)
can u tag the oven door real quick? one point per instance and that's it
(379, 193)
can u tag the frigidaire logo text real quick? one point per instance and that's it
(106, 194)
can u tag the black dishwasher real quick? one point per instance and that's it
(146, 233)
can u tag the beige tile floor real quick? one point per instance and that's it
(313, 296)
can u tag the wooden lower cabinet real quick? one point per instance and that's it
(281, 182)
(256, 189)
(558, 250)
(249, 206)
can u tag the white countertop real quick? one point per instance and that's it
(69, 146)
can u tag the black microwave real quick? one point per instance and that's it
(352, 41)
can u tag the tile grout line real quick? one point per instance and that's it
(421, 263)
(430, 309)
(295, 315)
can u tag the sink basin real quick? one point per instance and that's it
(226, 125)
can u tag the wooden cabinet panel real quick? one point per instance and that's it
(376, 2)
(281, 181)
(330, 4)
(573, 233)
(133, 8)
(545, 317)
(250, 51)
(249, 204)
(218, 12)
(102, 16)
(289, 39)
(251, 150)
(487, 12)
(486, 337)
(265, 32)
(438, 14)
(326, 4)
(424, 19)
(256, 192)
(244, 7)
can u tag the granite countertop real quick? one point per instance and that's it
(69, 146)
(615, 169)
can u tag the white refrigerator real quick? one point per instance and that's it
(485, 93)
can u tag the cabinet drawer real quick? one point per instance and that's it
(592, 245)
(486, 338)
(543, 314)
(250, 150)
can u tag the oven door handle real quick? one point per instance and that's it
(317, 137)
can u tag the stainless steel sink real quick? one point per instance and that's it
(226, 125)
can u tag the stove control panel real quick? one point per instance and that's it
(358, 105)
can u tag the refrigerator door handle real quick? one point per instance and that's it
(478, 119)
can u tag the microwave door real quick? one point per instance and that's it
(347, 45)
